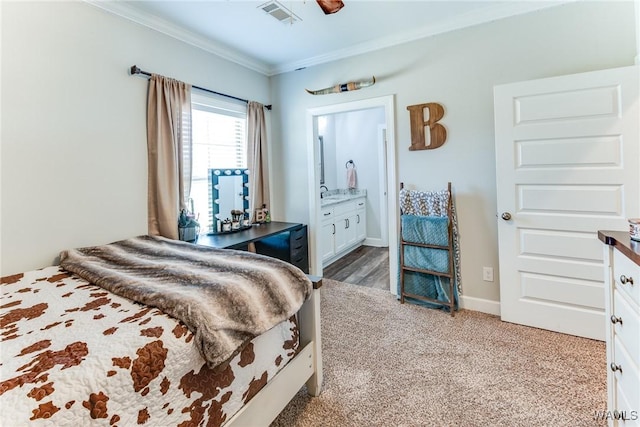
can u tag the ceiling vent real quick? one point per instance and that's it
(279, 12)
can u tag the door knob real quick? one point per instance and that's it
(506, 216)
(615, 319)
(624, 280)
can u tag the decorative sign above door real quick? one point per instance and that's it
(437, 132)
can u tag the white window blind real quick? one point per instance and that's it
(219, 142)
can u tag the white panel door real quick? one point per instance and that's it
(567, 162)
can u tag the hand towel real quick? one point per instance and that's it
(351, 177)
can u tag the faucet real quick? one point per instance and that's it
(322, 192)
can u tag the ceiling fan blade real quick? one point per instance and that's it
(330, 6)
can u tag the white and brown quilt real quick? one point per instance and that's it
(73, 353)
(224, 297)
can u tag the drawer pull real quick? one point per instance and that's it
(624, 280)
(615, 319)
(326, 213)
(615, 367)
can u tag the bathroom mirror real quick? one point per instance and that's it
(229, 191)
(321, 145)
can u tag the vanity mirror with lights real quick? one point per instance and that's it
(282, 240)
(229, 192)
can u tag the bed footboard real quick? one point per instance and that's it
(305, 368)
(309, 317)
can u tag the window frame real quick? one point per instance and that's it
(213, 104)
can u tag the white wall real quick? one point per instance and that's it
(74, 124)
(458, 70)
(357, 140)
(637, 7)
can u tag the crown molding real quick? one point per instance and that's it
(463, 21)
(153, 22)
(466, 20)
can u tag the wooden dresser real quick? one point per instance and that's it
(622, 305)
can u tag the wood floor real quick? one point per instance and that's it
(365, 266)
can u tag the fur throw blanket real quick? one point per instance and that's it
(225, 297)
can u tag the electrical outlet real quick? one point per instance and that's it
(487, 274)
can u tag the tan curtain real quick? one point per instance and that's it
(257, 156)
(169, 153)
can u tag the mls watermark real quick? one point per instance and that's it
(616, 415)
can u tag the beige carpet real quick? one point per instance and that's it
(387, 364)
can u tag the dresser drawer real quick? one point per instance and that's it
(627, 379)
(627, 414)
(626, 324)
(626, 275)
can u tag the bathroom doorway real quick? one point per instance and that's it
(380, 165)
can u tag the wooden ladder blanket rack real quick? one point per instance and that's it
(449, 273)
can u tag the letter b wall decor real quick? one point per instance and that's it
(437, 132)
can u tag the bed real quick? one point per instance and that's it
(76, 351)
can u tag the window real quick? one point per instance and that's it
(219, 142)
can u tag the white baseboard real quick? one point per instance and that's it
(475, 304)
(369, 241)
(480, 304)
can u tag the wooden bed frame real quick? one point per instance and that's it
(305, 368)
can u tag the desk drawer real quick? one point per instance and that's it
(299, 248)
(301, 259)
(298, 237)
(298, 242)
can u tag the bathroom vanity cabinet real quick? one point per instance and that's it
(344, 226)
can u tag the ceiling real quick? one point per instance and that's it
(240, 31)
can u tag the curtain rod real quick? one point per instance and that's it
(136, 70)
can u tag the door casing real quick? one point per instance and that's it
(315, 252)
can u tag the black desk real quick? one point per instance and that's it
(283, 240)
